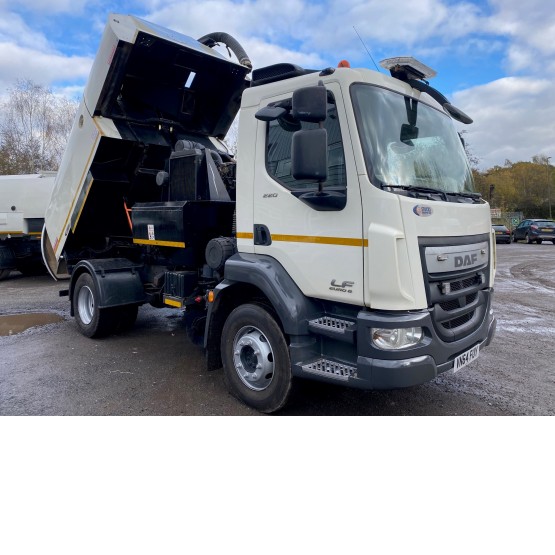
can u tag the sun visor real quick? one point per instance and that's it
(144, 74)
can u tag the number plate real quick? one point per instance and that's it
(466, 358)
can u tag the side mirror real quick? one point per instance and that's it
(309, 155)
(310, 104)
(270, 113)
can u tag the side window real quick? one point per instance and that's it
(278, 151)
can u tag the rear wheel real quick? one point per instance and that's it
(528, 240)
(539, 241)
(4, 274)
(255, 356)
(91, 320)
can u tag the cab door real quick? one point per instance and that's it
(322, 250)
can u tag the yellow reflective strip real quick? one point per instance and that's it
(159, 243)
(344, 241)
(171, 302)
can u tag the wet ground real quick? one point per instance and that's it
(51, 369)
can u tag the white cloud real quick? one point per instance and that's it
(19, 62)
(14, 29)
(512, 119)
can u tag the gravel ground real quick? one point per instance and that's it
(50, 369)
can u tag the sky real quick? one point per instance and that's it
(495, 59)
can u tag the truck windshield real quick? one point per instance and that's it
(408, 144)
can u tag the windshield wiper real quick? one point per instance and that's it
(468, 195)
(418, 189)
(430, 191)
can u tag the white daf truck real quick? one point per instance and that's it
(23, 201)
(346, 243)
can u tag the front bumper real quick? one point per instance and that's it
(392, 374)
(370, 368)
(542, 236)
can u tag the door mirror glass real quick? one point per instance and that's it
(310, 104)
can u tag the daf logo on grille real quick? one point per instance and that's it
(454, 258)
(460, 261)
(466, 260)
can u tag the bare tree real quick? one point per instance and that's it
(34, 126)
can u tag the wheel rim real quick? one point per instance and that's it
(253, 358)
(85, 305)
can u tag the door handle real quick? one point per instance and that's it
(262, 235)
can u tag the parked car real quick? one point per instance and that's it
(535, 231)
(502, 234)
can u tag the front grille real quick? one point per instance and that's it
(463, 283)
(450, 305)
(457, 322)
(454, 297)
(455, 304)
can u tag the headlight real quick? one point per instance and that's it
(398, 338)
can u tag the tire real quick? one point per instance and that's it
(91, 320)
(528, 240)
(553, 241)
(514, 238)
(257, 367)
(539, 241)
(4, 274)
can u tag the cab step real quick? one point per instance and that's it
(331, 369)
(333, 327)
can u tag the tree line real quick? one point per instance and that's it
(34, 127)
(527, 187)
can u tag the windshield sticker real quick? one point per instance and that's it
(423, 211)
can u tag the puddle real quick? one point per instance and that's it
(11, 324)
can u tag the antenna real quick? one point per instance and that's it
(368, 51)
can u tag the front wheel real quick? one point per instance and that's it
(91, 320)
(255, 356)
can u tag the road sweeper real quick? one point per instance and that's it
(344, 243)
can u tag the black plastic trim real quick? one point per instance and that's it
(118, 281)
(264, 272)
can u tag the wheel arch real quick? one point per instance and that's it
(117, 281)
(257, 279)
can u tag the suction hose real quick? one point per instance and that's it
(211, 39)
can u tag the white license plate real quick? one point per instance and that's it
(466, 358)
